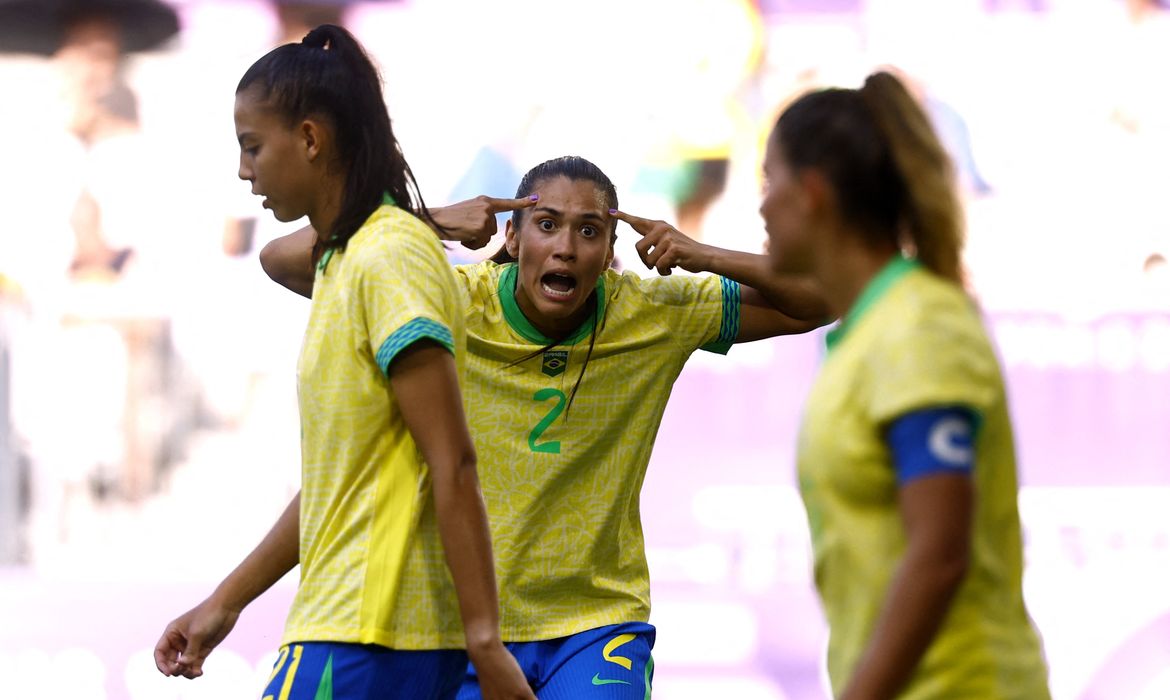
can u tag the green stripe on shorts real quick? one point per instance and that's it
(325, 688)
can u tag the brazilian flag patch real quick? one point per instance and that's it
(555, 362)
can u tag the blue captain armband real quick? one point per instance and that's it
(933, 441)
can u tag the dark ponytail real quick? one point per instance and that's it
(329, 76)
(891, 175)
(932, 213)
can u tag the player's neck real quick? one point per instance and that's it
(845, 275)
(553, 327)
(324, 212)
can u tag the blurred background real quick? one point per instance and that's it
(148, 429)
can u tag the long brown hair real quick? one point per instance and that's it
(329, 74)
(892, 176)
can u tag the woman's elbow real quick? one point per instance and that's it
(271, 263)
(458, 470)
(949, 567)
(954, 571)
(285, 270)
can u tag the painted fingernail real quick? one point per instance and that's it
(534, 197)
(613, 211)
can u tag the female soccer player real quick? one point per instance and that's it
(906, 460)
(570, 365)
(389, 499)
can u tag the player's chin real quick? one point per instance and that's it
(284, 216)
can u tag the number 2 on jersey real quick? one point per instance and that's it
(550, 446)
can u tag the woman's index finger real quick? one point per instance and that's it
(498, 205)
(642, 226)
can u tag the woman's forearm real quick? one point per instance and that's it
(276, 555)
(916, 604)
(937, 512)
(797, 297)
(463, 528)
(425, 380)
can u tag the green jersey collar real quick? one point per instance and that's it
(894, 270)
(520, 323)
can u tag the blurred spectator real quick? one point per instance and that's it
(721, 45)
(12, 506)
(1156, 281)
(1140, 143)
(1141, 69)
(103, 108)
(89, 385)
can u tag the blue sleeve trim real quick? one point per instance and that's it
(933, 441)
(412, 331)
(729, 324)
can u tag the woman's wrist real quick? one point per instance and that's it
(482, 638)
(710, 258)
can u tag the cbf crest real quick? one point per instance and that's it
(554, 362)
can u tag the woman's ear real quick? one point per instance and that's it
(817, 194)
(511, 240)
(313, 134)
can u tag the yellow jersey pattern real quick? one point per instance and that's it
(914, 341)
(372, 566)
(561, 482)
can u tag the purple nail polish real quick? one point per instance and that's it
(613, 211)
(534, 197)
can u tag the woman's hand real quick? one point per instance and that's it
(189, 638)
(665, 247)
(500, 677)
(472, 222)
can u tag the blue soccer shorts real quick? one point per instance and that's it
(607, 663)
(337, 671)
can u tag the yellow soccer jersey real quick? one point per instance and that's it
(372, 566)
(562, 482)
(914, 341)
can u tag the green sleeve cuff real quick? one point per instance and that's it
(729, 326)
(414, 330)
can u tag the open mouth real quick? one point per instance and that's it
(558, 285)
